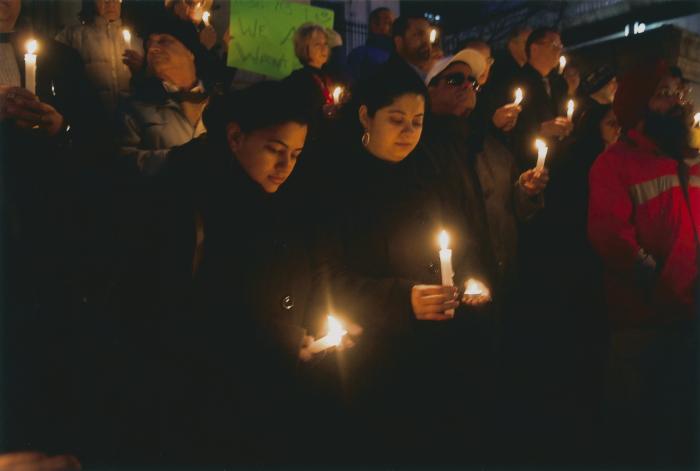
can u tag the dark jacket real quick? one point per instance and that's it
(237, 347)
(507, 204)
(365, 60)
(387, 220)
(538, 107)
(46, 223)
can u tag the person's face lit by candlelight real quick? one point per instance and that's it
(168, 59)
(318, 49)
(394, 130)
(110, 10)
(414, 45)
(9, 11)
(609, 128)
(267, 155)
(544, 53)
(452, 92)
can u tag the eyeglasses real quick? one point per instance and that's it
(457, 80)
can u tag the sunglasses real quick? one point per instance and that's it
(457, 80)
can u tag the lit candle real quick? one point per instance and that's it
(541, 153)
(570, 109)
(205, 18)
(433, 35)
(332, 338)
(696, 120)
(562, 64)
(473, 287)
(30, 66)
(337, 94)
(126, 34)
(446, 264)
(518, 96)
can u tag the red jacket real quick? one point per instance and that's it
(638, 213)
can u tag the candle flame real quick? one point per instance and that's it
(335, 331)
(205, 17)
(472, 287)
(518, 96)
(696, 120)
(539, 144)
(570, 109)
(32, 46)
(337, 92)
(444, 240)
(433, 35)
(127, 35)
(562, 63)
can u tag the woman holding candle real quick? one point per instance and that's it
(255, 277)
(389, 269)
(311, 46)
(112, 52)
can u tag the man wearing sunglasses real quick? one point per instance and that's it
(505, 194)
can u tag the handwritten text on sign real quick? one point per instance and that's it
(262, 33)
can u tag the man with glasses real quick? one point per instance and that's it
(644, 219)
(545, 92)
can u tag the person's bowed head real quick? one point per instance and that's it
(264, 127)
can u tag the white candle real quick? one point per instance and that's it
(541, 153)
(126, 34)
(696, 120)
(562, 64)
(205, 18)
(332, 338)
(473, 287)
(337, 94)
(518, 96)
(433, 36)
(570, 109)
(446, 265)
(30, 66)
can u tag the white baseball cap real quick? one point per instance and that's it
(473, 58)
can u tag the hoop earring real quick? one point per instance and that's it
(365, 139)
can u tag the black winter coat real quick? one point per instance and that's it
(387, 220)
(234, 352)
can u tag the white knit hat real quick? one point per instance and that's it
(473, 58)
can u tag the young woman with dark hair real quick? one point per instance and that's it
(391, 202)
(241, 238)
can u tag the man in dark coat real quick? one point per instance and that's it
(364, 61)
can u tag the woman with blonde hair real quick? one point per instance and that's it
(312, 49)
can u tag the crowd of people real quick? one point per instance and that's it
(402, 258)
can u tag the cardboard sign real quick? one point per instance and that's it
(262, 34)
